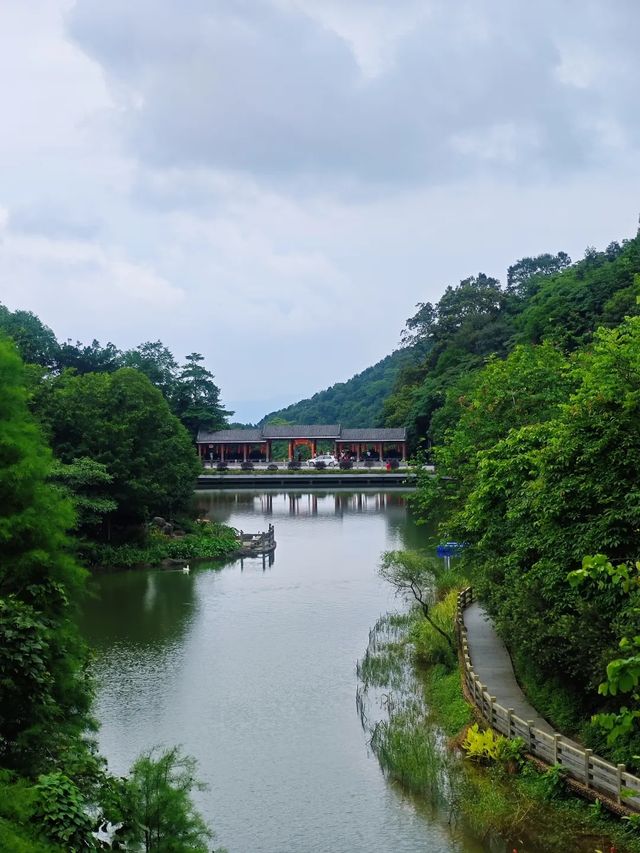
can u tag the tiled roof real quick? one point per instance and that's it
(229, 435)
(301, 431)
(374, 434)
(281, 431)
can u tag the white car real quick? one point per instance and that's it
(329, 460)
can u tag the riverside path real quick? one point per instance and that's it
(492, 664)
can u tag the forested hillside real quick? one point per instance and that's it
(530, 399)
(358, 402)
(545, 298)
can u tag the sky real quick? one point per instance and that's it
(276, 183)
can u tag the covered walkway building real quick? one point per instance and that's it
(244, 445)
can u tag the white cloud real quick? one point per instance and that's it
(277, 183)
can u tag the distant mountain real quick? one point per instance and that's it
(355, 403)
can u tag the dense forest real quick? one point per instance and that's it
(55, 791)
(528, 401)
(358, 402)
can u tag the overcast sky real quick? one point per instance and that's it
(276, 183)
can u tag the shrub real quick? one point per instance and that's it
(393, 464)
(368, 463)
(272, 466)
(430, 646)
(222, 466)
(346, 464)
(247, 466)
(294, 465)
(61, 812)
(320, 466)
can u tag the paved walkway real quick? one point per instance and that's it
(493, 667)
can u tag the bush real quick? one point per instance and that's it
(272, 466)
(320, 466)
(431, 647)
(393, 464)
(222, 466)
(294, 465)
(368, 463)
(247, 466)
(346, 464)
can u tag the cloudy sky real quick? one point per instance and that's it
(276, 183)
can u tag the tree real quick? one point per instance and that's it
(523, 277)
(160, 804)
(45, 691)
(158, 365)
(85, 480)
(410, 573)
(89, 358)
(35, 342)
(122, 422)
(197, 397)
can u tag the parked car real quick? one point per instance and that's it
(329, 460)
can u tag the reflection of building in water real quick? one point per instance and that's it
(222, 505)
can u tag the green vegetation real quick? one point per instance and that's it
(189, 389)
(355, 403)
(206, 542)
(529, 397)
(54, 788)
(493, 792)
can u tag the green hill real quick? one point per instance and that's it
(355, 403)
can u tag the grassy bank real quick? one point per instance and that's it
(208, 541)
(507, 803)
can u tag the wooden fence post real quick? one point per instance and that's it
(620, 768)
(556, 738)
(492, 699)
(509, 721)
(587, 758)
(531, 725)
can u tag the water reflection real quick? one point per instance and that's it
(254, 673)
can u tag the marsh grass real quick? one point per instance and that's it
(414, 711)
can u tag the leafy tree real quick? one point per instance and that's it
(523, 277)
(197, 397)
(160, 804)
(35, 342)
(84, 480)
(45, 694)
(89, 358)
(157, 363)
(122, 422)
(410, 573)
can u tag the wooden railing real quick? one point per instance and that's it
(611, 780)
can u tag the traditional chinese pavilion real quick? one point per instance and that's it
(242, 445)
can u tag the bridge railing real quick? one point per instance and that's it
(611, 780)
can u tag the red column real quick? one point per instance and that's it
(314, 448)
(380, 451)
(244, 452)
(358, 451)
(404, 451)
(268, 451)
(222, 452)
(291, 451)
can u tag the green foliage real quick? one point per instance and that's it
(447, 705)
(122, 422)
(207, 542)
(481, 744)
(44, 694)
(430, 645)
(408, 752)
(159, 802)
(83, 480)
(61, 813)
(355, 403)
(196, 398)
(552, 782)
(35, 342)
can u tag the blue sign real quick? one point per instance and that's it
(450, 549)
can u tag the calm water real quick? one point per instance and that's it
(253, 672)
